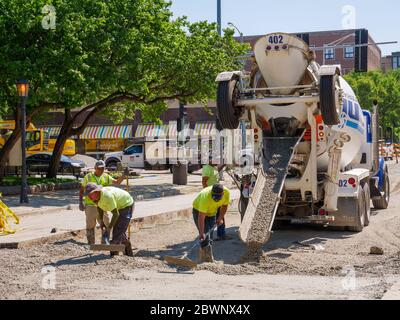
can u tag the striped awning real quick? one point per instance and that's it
(97, 132)
(107, 132)
(151, 130)
(205, 129)
(154, 130)
(53, 131)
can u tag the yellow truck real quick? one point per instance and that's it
(37, 140)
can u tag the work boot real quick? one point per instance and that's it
(114, 253)
(90, 235)
(128, 249)
(208, 254)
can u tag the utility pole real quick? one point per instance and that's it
(219, 19)
(180, 170)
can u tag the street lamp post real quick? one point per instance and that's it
(237, 29)
(23, 90)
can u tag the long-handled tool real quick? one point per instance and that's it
(126, 172)
(184, 261)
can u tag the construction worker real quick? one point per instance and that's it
(120, 203)
(205, 208)
(211, 175)
(99, 178)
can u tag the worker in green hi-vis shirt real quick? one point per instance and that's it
(211, 176)
(99, 177)
(120, 203)
(208, 202)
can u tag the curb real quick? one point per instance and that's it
(136, 225)
(39, 188)
(165, 218)
(137, 198)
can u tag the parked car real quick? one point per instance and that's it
(39, 163)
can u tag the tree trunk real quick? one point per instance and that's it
(9, 145)
(67, 129)
(16, 133)
(57, 153)
(65, 133)
(12, 139)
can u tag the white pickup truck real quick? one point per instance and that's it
(148, 154)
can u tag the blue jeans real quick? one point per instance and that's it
(221, 229)
(209, 223)
(119, 230)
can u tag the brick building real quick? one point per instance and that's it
(351, 58)
(391, 62)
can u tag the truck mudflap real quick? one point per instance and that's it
(256, 226)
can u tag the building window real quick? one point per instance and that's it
(329, 53)
(349, 52)
(396, 63)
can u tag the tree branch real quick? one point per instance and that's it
(97, 107)
(171, 97)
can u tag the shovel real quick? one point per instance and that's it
(184, 261)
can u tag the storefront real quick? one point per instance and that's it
(98, 140)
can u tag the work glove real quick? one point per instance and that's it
(103, 227)
(81, 206)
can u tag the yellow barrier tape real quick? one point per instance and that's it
(6, 212)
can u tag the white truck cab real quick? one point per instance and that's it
(132, 156)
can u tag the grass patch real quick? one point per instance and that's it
(15, 181)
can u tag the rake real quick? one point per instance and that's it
(183, 260)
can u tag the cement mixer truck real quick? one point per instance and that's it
(319, 157)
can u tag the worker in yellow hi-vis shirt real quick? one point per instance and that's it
(205, 208)
(120, 203)
(92, 213)
(211, 176)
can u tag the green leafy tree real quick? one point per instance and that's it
(109, 57)
(382, 87)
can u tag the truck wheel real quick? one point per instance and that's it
(112, 165)
(367, 198)
(330, 108)
(383, 201)
(226, 96)
(360, 214)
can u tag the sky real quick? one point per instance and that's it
(255, 17)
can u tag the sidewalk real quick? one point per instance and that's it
(152, 185)
(36, 228)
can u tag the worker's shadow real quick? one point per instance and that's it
(229, 252)
(88, 258)
(70, 241)
(85, 259)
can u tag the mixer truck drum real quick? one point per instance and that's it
(227, 114)
(328, 102)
